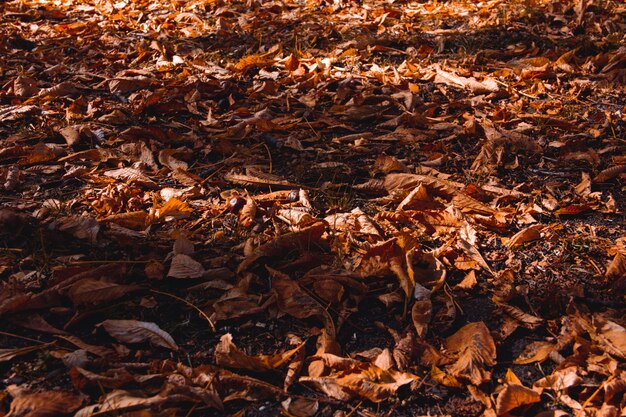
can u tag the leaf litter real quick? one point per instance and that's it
(312, 208)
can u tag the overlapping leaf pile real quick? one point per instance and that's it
(312, 208)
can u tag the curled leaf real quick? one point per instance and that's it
(133, 331)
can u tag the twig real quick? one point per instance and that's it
(106, 262)
(354, 409)
(23, 338)
(269, 155)
(202, 313)
(592, 396)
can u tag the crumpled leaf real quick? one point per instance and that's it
(134, 331)
(364, 380)
(474, 349)
(286, 243)
(293, 300)
(227, 354)
(476, 87)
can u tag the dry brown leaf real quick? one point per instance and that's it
(293, 300)
(173, 209)
(92, 291)
(617, 267)
(227, 354)
(468, 282)
(185, 267)
(134, 331)
(474, 349)
(79, 227)
(120, 401)
(8, 354)
(535, 352)
(300, 407)
(476, 87)
(24, 87)
(247, 214)
(43, 403)
(361, 379)
(559, 380)
(124, 85)
(528, 234)
(284, 244)
(514, 396)
(166, 158)
(421, 313)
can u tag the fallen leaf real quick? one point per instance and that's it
(42, 403)
(514, 396)
(133, 331)
(474, 349)
(227, 354)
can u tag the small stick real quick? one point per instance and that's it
(592, 396)
(202, 313)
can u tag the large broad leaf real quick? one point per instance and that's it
(475, 350)
(133, 331)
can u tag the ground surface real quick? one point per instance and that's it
(312, 208)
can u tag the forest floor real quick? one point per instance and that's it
(387, 208)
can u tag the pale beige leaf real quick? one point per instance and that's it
(134, 331)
